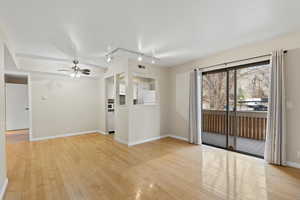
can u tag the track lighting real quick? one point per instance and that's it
(141, 56)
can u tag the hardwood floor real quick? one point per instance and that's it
(95, 167)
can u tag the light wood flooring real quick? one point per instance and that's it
(95, 167)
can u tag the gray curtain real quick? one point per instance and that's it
(195, 107)
(275, 148)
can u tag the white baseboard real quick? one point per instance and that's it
(147, 140)
(293, 164)
(101, 132)
(152, 139)
(178, 137)
(63, 135)
(3, 189)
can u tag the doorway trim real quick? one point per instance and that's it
(27, 74)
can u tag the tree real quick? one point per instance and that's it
(252, 82)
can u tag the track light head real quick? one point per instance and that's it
(108, 59)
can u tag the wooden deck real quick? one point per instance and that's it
(246, 145)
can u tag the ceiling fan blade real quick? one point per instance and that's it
(86, 73)
(85, 70)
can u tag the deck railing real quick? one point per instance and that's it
(249, 124)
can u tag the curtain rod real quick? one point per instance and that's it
(226, 63)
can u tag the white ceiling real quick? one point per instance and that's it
(176, 31)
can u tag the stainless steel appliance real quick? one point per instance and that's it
(110, 115)
(110, 105)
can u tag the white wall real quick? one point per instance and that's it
(121, 111)
(129, 116)
(144, 123)
(150, 121)
(292, 62)
(178, 115)
(4, 59)
(122, 124)
(109, 88)
(164, 92)
(62, 105)
(101, 104)
(9, 60)
(3, 175)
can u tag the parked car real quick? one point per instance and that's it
(257, 104)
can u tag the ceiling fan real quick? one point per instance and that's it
(76, 71)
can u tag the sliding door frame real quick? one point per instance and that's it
(228, 70)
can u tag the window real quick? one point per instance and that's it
(144, 90)
(121, 88)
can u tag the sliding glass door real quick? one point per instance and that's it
(214, 109)
(252, 85)
(234, 108)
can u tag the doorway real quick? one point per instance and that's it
(234, 108)
(17, 108)
(110, 104)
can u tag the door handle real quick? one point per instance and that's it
(26, 108)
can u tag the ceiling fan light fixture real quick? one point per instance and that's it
(72, 75)
(75, 62)
(76, 71)
(140, 58)
(77, 75)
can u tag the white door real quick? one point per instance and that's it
(17, 114)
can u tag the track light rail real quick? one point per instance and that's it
(130, 51)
